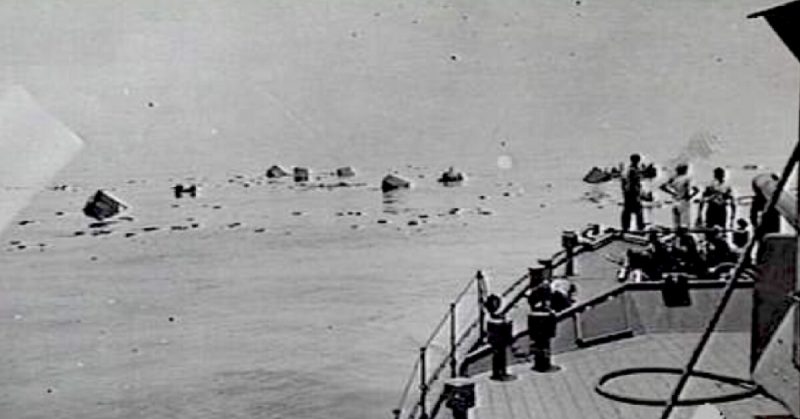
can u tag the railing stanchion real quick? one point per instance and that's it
(423, 385)
(481, 319)
(452, 340)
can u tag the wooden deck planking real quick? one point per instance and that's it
(570, 393)
(587, 373)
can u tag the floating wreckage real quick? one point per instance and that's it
(597, 175)
(392, 182)
(301, 174)
(346, 171)
(103, 205)
(276, 171)
(181, 189)
(451, 177)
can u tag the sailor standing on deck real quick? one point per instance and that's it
(720, 209)
(682, 191)
(632, 194)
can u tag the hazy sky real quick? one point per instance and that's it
(170, 83)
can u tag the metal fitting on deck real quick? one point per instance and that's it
(460, 395)
(569, 241)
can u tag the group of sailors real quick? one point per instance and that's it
(717, 204)
(678, 250)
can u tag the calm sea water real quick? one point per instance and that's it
(332, 306)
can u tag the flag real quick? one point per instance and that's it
(783, 20)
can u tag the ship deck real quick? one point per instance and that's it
(569, 393)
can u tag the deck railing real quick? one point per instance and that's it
(450, 339)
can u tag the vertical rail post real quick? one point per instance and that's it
(481, 319)
(568, 241)
(423, 385)
(453, 340)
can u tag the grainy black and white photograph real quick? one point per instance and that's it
(399, 209)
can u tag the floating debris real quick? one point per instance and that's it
(25, 222)
(345, 172)
(180, 190)
(392, 182)
(103, 205)
(301, 174)
(451, 177)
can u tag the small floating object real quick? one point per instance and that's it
(103, 205)
(393, 182)
(301, 174)
(750, 167)
(346, 171)
(276, 171)
(597, 175)
(451, 177)
(180, 190)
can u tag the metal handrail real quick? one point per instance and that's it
(419, 371)
(457, 340)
